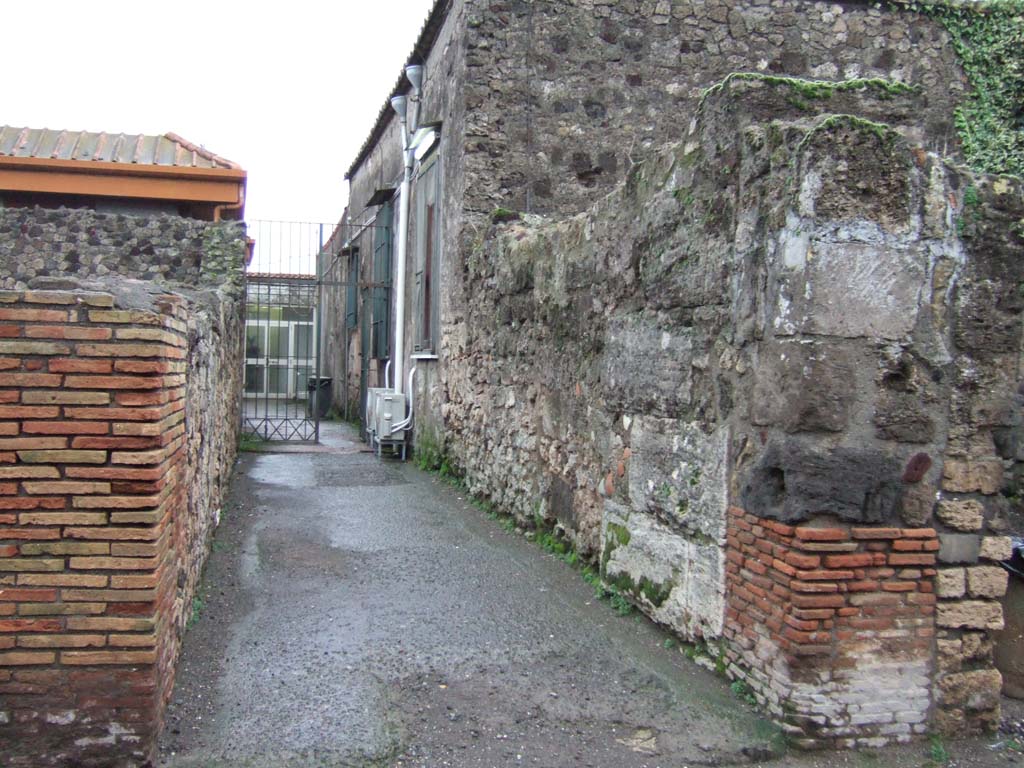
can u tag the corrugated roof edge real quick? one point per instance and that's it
(425, 41)
(203, 152)
(103, 147)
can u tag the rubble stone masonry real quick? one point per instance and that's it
(798, 314)
(118, 426)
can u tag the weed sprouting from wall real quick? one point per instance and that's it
(804, 90)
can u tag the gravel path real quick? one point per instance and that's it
(361, 613)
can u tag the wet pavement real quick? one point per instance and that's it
(359, 612)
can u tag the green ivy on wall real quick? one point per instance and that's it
(988, 36)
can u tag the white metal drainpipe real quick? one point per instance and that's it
(401, 104)
(403, 239)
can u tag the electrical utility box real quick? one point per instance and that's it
(390, 410)
(372, 403)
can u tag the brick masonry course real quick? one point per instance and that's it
(46, 455)
(815, 624)
(118, 430)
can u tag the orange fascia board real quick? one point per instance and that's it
(150, 182)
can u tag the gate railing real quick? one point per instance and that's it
(282, 389)
(311, 286)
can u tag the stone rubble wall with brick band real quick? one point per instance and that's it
(119, 411)
(803, 316)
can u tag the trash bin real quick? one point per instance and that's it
(319, 389)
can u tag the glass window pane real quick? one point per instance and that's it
(302, 376)
(255, 341)
(278, 340)
(303, 341)
(253, 378)
(277, 378)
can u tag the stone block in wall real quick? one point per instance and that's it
(961, 514)
(968, 696)
(959, 548)
(804, 387)
(970, 614)
(950, 582)
(876, 284)
(956, 650)
(987, 581)
(677, 578)
(972, 475)
(999, 548)
(647, 367)
(794, 479)
(676, 472)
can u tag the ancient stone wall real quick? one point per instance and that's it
(800, 314)
(42, 242)
(545, 106)
(984, 462)
(563, 97)
(120, 423)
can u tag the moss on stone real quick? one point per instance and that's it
(655, 593)
(501, 215)
(618, 536)
(803, 90)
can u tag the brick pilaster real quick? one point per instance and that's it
(91, 463)
(833, 626)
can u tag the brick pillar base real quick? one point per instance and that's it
(91, 433)
(833, 627)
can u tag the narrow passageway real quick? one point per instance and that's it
(360, 612)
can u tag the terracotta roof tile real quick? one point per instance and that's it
(138, 149)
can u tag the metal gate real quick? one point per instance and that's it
(306, 293)
(281, 392)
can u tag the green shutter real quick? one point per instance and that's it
(381, 293)
(352, 290)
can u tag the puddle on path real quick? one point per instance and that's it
(291, 470)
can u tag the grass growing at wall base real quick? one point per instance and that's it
(197, 610)
(250, 443)
(431, 458)
(938, 755)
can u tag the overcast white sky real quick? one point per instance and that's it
(289, 90)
